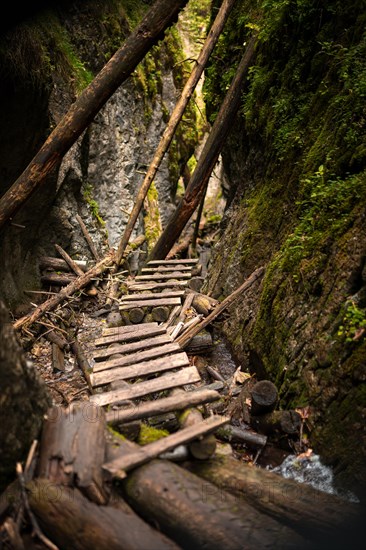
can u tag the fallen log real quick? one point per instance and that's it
(311, 512)
(198, 515)
(72, 521)
(73, 447)
(233, 434)
(58, 279)
(54, 301)
(264, 397)
(82, 361)
(187, 336)
(161, 14)
(207, 160)
(174, 120)
(58, 264)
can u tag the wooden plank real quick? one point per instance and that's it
(121, 465)
(147, 295)
(137, 357)
(168, 269)
(140, 369)
(188, 375)
(158, 277)
(151, 303)
(131, 347)
(136, 335)
(156, 286)
(186, 261)
(161, 406)
(128, 329)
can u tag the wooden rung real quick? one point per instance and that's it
(161, 406)
(158, 277)
(151, 303)
(140, 369)
(135, 287)
(186, 261)
(128, 329)
(147, 295)
(139, 334)
(121, 465)
(188, 375)
(132, 347)
(168, 269)
(138, 357)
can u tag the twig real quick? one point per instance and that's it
(88, 238)
(30, 457)
(35, 527)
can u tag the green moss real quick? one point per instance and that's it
(149, 434)
(92, 203)
(115, 433)
(152, 221)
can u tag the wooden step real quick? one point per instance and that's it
(148, 295)
(121, 465)
(138, 287)
(186, 261)
(138, 334)
(138, 357)
(163, 276)
(186, 376)
(155, 302)
(128, 329)
(163, 405)
(138, 370)
(169, 269)
(132, 346)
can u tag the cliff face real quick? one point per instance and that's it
(45, 63)
(296, 162)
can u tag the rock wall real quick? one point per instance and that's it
(296, 164)
(45, 63)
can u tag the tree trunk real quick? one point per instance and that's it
(89, 103)
(72, 521)
(207, 160)
(198, 515)
(24, 400)
(311, 512)
(174, 120)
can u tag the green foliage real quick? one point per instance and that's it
(353, 325)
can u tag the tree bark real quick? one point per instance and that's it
(24, 400)
(207, 160)
(198, 515)
(174, 120)
(311, 512)
(89, 103)
(72, 521)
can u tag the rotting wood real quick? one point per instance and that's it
(138, 334)
(163, 405)
(207, 159)
(204, 447)
(173, 316)
(82, 361)
(188, 375)
(186, 305)
(72, 448)
(160, 313)
(264, 397)
(169, 269)
(183, 261)
(197, 514)
(128, 330)
(138, 357)
(307, 510)
(58, 358)
(281, 422)
(70, 262)
(228, 301)
(72, 521)
(135, 314)
(66, 292)
(140, 370)
(55, 338)
(201, 343)
(238, 435)
(58, 279)
(132, 347)
(160, 16)
(174, 120)
(157, 301)
(58, 264)
(87, 237)
(119, 467)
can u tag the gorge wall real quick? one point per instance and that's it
(296, 163)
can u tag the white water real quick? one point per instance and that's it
(310, 470)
